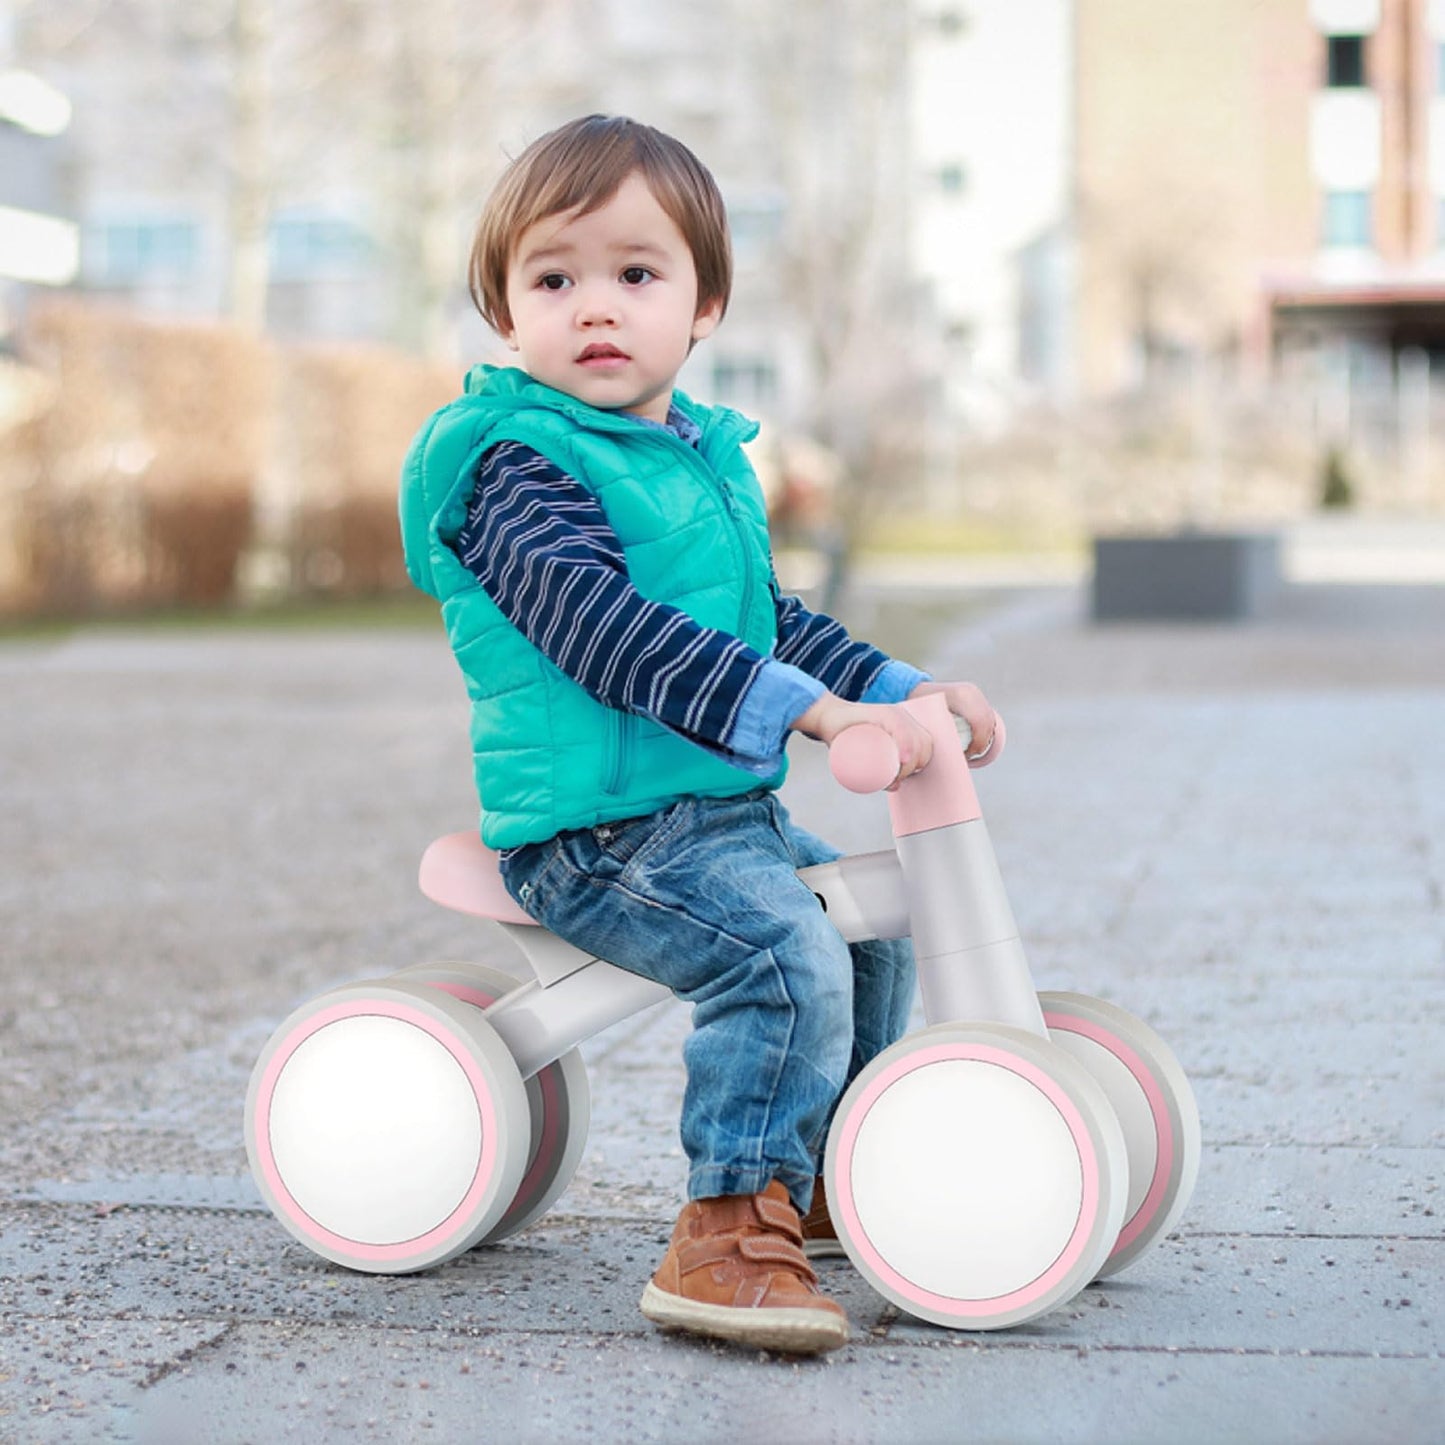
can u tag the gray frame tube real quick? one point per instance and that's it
(971, 961)
(539, 1022)
(862, 895)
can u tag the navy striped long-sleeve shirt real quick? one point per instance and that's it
(541, 547)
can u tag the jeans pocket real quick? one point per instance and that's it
(626, 843)
(524, 870)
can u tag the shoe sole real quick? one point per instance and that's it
(791, 1331)
(824, 1249)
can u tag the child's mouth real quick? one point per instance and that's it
(601, 356)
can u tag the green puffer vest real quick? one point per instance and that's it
(693, 528)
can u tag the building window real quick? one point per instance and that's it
(951, 21)
(307, 247)
(1344, 61)
(121, 252)
(748, 383)
(951, 178)
(757, 227)
(1348, 218)
(960, 336)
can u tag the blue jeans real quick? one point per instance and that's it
(704, 897)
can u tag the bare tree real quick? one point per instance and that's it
(833, 78)
(188, 83)
(428, 105)
(248, 103)
(249, 37)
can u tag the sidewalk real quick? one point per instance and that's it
(1238, 833)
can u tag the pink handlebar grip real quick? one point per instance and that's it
(863, 758)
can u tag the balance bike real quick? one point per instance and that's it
(980, 1171)
(986, 1168)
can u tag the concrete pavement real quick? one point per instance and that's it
(1236, 832)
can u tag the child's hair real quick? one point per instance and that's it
(579, 167)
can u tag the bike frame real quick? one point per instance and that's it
(940, 886)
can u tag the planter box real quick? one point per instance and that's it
(1189, 575)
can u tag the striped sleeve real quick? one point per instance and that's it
(542, 549)
(821, 647)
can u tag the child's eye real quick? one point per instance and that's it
(637, 275)
(553, 281)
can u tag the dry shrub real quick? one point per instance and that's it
(1154, 463)
(194, 543)
(346, 419)
(62, 477)
(25, 397)
(149, 459)
(204, 395)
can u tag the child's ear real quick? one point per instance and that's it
(706, 320)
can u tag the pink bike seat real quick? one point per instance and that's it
(461, 873)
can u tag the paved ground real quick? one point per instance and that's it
(1237, 832)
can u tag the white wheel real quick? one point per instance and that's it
(558, 1099)
(976, 1175)
(1151, 1095)
(387, 1126)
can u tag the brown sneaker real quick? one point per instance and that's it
(735, 1271)
(820, 1239)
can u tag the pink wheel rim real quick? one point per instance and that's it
(1078, 1240)
(286, 1202)
(536, 1176)
(1144, 1076)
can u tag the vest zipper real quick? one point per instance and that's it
(619, 752)
(715, 480)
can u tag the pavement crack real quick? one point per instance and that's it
(101, 1207)
(1301, 1235)
(188, 1356)
(1366, 1146)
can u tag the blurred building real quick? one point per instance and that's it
(698, 70)
(39, 244)
(1065, 199)
(151, 171)
(989, 87)
(943, 152)
(385, 131)
(1375, 299)
(1257, 189)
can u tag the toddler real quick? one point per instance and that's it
(599, 546)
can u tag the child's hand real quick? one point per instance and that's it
(967, 702)
(831, 714)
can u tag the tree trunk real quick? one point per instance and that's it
(250, 198)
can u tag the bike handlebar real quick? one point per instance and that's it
(864, 758)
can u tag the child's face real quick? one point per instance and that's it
(604, 306)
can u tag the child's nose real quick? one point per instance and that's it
(596, 306)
